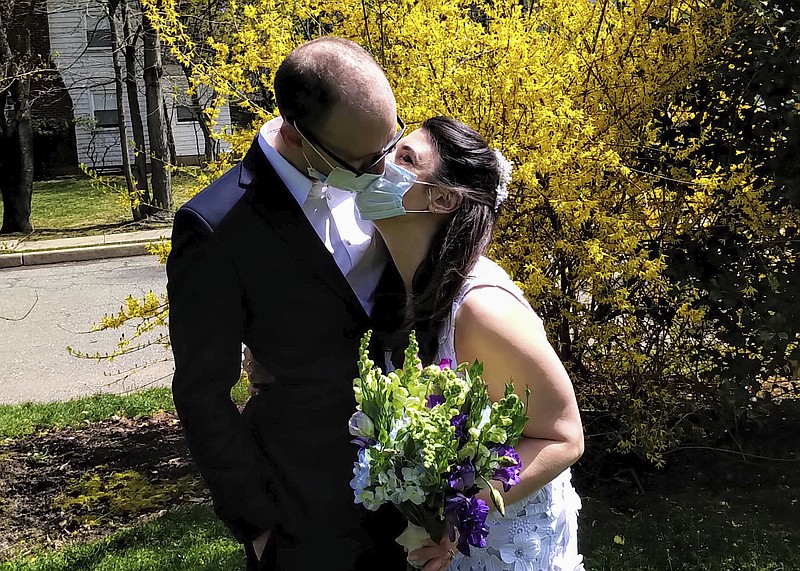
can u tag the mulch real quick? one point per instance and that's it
(35, 470)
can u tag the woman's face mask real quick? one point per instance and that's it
(378, 196)
(384, 198)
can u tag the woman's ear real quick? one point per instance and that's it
(444, 201)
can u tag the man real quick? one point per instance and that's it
(269, 257)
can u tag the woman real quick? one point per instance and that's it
(451, 210)
(464, 307)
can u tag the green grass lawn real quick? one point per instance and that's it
(18, 420)
(186, 539)
(687, 531)
(22, 419)
(71, 207)
(708, 511)
(725, 529)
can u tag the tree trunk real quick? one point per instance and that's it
(137, 126)
(116, 46)
(156, 120)
(173, 155)
(211, 145)
(16, 185)
(25, 137)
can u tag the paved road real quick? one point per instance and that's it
(34, 363)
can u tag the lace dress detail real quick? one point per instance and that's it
(538, 533)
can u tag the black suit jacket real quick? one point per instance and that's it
(247, 267)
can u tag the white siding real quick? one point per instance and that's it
(90, 70)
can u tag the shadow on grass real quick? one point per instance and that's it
(722, 530)
(185, 539)
(92, 230)
(710, 508)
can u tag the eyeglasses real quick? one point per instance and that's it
(358, 172)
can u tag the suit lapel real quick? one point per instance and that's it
(278, 208)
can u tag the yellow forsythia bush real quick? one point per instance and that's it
(567, 90)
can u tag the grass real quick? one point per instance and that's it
(188, 538)
(691, 530)
(725, 524)
(71, 207)
(724, 529)
(18, 420)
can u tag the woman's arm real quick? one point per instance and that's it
(493, 327)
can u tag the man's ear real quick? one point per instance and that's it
(444, 200)
(291, 136)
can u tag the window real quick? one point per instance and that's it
(105, 109)
(186, 114)
(98, 35)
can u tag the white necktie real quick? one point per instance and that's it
(319, 206)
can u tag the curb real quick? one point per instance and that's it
(10, 260)
(88, 253)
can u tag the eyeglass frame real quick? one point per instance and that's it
(358, 172)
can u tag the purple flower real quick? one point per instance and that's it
(435, 400)
(468, 515)
(361, 425)
(508, 475)
(459, 421)
(445, 364)
(363, 441)
(462, 478)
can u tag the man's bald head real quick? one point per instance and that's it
(327, 72)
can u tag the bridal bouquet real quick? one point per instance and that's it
(429, 441)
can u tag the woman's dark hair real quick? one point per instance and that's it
(470, 168)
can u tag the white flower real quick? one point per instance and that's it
(506, 167)
(413, 494)
(398, 425)
(486, 413)
(523, 553)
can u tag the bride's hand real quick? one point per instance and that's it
(436, 557)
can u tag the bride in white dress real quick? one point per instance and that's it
(465, 307)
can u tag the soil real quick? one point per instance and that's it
(37, 468)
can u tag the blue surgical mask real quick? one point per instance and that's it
(378, 196)
(384, 197)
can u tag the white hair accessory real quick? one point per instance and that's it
(505, 178)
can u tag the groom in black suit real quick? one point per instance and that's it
(270, 257)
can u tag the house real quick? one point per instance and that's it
(80, 45)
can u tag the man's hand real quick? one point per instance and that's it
(260, 543)
(256, 374)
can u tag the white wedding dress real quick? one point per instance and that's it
(540, 532)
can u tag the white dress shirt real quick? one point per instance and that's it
(333, 215)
